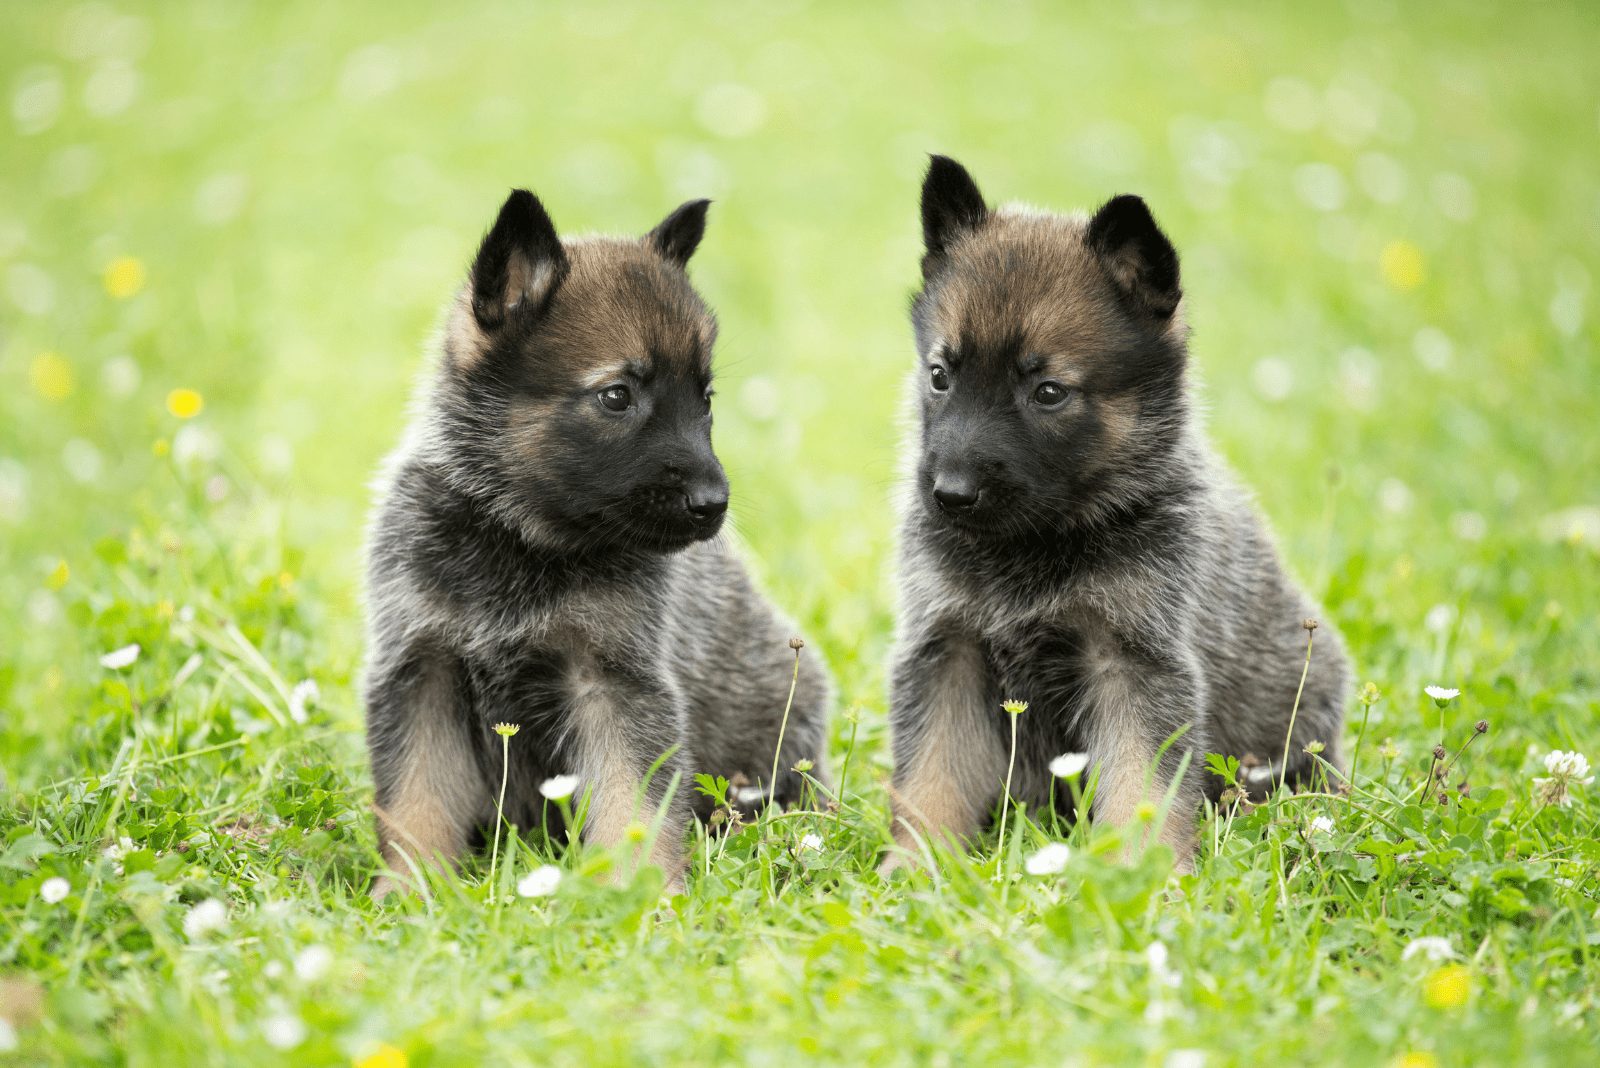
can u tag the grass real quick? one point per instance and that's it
(1387, 220)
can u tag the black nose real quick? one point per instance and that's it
(955, 495)
(706, 504)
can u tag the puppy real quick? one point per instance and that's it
(545, 555)
(1070, 540)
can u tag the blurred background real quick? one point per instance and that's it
(226, 231)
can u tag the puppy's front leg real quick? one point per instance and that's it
(949, 758)
(622, 723)
(1134, 707)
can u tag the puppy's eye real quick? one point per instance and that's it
(939, 379)
(1051, 394)
(616, 398)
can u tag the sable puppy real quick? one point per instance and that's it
(1070, 540)
(544, 555)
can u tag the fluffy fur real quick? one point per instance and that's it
(1069, 539)
(546, 554)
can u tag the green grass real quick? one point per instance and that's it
(1388, 221)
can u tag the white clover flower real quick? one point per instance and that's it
(54, 890)
(303, 696)
(208, 916)
(1566, 771)
(273, 969)
(559, 787)
(540, 882)
(1050, 860)
(1432, 947)
(312, 963)
(812, 842)
(1067, 765)
(117, 659)
(1322, 825)
(1156, 956)
(283, 1030)
(119, 849)
(1441, 693)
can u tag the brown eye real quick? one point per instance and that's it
(939, 379)
(1051, 394)
(616, 398)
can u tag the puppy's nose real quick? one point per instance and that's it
(706, 503)
(955, 494)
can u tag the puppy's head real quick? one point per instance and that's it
(575, 395)
(1050, 382)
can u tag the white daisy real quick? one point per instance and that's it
(1441, 693)
(559, 787)
(1322, 825)
(540, 882)
(1432, 947)
(283, 1030)
(1067, 765)
(1050, 860)
(312, 963)
(303, 696)
(812, 842)
(117, 659)
(208, 916)
(54, 890)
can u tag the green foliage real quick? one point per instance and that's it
(1386, 218)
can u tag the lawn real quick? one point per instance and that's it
(226, 232)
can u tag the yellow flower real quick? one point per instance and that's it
(506, 730)
(58, 575)
(124, 277)
(1415, 1059)
(160, 447)
(1447, 987)
(51, 375)
(185, 403)
(1402, 265)
(384, 1056)
(1016, 708)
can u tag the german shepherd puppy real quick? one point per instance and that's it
(1070, 540)
(545, 556)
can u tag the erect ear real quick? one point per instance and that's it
(519, 264)
(679, 233)
(1136, 254)
(951, 206)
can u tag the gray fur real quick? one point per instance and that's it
(529, 563)
(1111, 571)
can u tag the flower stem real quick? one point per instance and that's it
(1005, 798)
(772, 782)
(499, 811)
(1311, 636)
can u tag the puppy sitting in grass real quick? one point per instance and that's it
(544, 555)
(1071, 541)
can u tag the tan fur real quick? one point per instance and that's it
(960, 767)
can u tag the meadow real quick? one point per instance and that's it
(226, 232)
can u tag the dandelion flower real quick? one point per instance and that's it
(185, 403)
(51, 376)
(1432, 947)
(1441, 695)
(305, 694)
(540, 882)
(384, 1055)
(208, 916)
(1447, 987)
(1067, 765)
(559, 787)
(1050, 860)
(1322, 825)
(1415, 1059)
(1566, 770)
(312, 963)
(54, 890)
(811, 842)
(124, 277)
(117, 659)
(1402, 265)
